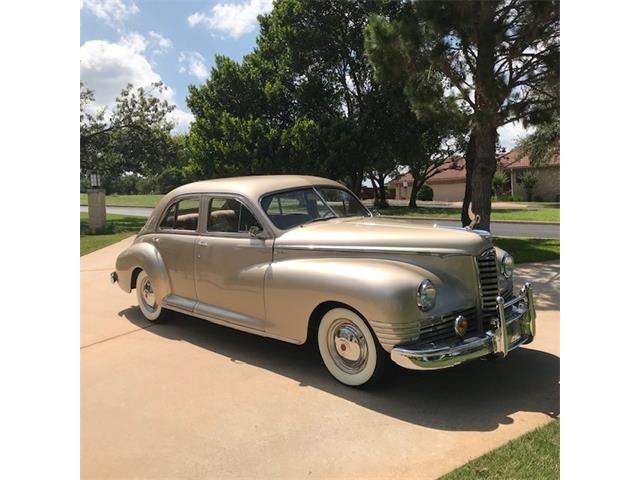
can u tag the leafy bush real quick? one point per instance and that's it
(425, 193)
(500, 181)
(529, 181)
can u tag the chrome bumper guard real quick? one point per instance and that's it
(515, 325)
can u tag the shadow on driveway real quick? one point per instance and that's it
(478, 396)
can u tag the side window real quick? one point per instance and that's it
(182, 215)
(169, 219)
(230, 216)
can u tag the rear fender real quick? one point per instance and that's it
(145, 256)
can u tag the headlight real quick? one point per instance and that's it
(507, 265)
(426, 297)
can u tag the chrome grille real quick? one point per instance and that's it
(488, 278)
(442, 328)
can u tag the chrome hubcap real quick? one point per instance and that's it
(148, 296)
(347, 346)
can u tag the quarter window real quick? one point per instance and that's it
(182, 215)
(228, 215)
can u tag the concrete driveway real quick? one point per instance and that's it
(192, 399)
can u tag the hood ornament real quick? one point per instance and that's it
(473, 223)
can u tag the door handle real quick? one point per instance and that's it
(202, 243)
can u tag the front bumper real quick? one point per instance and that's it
(514, 326)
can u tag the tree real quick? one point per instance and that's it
(543, 144)
(303, 100)
(132, 137)
(495, 56)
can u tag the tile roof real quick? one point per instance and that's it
(507, 161)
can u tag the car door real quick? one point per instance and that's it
(231, 263)
(175, 239)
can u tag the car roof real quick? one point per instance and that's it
(252, 187)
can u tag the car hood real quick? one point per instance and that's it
(381, 234)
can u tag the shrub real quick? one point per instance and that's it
(529, 181)
(425, 193)
(500, 181)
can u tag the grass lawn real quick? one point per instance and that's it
(542, 214)
(119, 227)
(534, 455)
(127, 200)
(530, 249)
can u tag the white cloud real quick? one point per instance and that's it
(113, 12)
(181, 120)
(134, 42)
(161, 44)
(193, 64)
(233, 19)
(106, 68)
(510, 133)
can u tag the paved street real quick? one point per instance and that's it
(498, 228)
(191, 399)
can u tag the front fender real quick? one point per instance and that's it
(147, 257)
(383, 291)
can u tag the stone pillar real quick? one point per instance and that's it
(97, 210)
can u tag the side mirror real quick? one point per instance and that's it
(375, 212)
(255, 232)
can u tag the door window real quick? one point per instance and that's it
(182, 215)
(228, 215)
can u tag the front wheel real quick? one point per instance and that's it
(147, 300)
(349, 349)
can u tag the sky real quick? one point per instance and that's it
(175, 41)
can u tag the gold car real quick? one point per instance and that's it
(300, 259)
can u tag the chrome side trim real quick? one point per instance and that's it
(241, 328)
(366, 249)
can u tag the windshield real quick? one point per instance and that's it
(294, 207)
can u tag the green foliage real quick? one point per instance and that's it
(426, 193)
(529, 181)
(133, 137)
(543, 144)
(500, 181)
(306, 101)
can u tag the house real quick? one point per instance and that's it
(448, 185)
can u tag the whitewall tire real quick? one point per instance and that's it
(348, 348)
(147, 301)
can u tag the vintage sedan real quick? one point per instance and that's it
(300, 259)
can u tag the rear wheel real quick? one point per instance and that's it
(147, 300)
(349, 350)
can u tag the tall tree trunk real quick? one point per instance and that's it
(415, 188)
(355, 182)
(374, 185)
(469, 158)
(484, 168)
(485, 121)
(382, 193)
